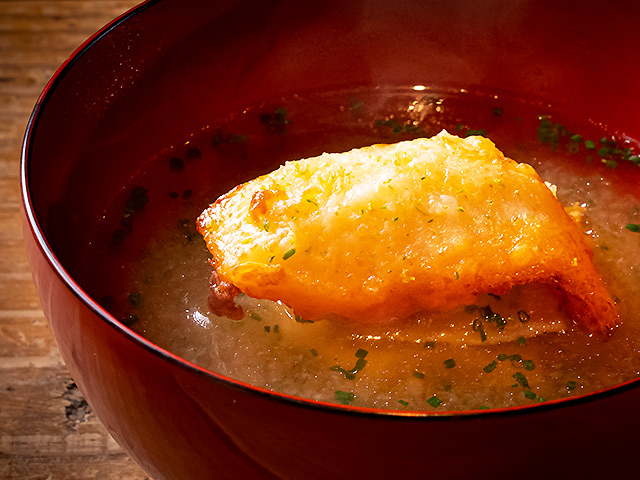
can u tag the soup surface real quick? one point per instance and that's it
(515, 349)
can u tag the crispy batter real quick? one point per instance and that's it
(390, 230)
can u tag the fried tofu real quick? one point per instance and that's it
(387, 231)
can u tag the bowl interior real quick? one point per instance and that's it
(151, 81)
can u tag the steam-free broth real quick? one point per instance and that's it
(516, 349)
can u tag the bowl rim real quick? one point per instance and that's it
(30, 220)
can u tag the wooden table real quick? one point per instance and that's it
(47, 431)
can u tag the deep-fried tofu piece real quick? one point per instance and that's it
(390, 230)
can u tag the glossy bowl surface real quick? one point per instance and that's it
(160, 72)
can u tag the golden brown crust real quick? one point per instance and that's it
(389, 230)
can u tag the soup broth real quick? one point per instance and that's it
(516, 349)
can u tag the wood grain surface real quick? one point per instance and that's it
(47, 431)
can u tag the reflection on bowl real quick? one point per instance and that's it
(147, 82)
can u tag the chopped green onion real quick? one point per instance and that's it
(360, 364)
(434, 402)
(403, 402)
(288, 254)
(477, 326)
(418, 374)
(129, 320)
(361, 353)
(480, 131)
(521, 379)
(633, 227)
(346, 398)
(449, 363)
(299, 319)
(135, 299)
(491, 366)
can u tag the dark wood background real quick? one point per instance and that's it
(47, 431)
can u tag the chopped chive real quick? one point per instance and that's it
(491, 366)
(449, 363)
(360, 364)
(255, 316)
(572, 385)
(419, 375)
(480, 131)
(604, 151)
(314, 352)
(288, 254)
(265, 225)
(633, 227)
(299, 319)
(361, 353)
(267, 328)
(530, 395)
(129, 320)
(477, 326)
(528, 365)
(521, 379)
(135, 299)
(434, 402)
(403, 402)
(346, 398)
(549, 132)
(429, 344)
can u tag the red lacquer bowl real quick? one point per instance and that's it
(159, 73)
